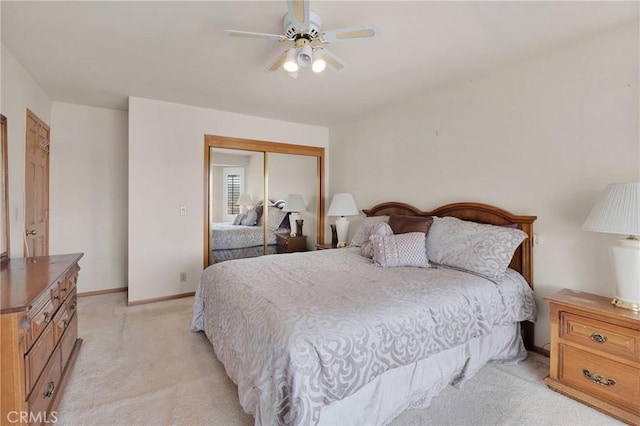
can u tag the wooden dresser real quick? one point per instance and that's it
(595, 353)
(39, 335)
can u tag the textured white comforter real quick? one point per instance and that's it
(299, 331)
(226, 236)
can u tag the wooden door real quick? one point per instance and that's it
(36, 216)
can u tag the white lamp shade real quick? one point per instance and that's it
(294, 203)
(343, 205)
(617, 211)
(244, 200)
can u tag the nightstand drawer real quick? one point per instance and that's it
(615, 382)
(602, 336)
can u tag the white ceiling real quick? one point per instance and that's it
(98, 53)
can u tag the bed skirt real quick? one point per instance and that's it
(415, 385)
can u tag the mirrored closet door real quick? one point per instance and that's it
(236, 182)
(254, 192)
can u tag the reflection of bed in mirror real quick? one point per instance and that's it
(245, 236)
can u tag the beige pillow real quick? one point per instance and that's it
(408, 249)
(381, 229)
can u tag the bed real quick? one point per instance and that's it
(238, 241)
(331, 337)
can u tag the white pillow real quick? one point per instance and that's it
(276, 216)
(364, 230)
(484, 250)
(250, 218)
(407, 249)
(238, 219)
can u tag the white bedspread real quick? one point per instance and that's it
(297, 332)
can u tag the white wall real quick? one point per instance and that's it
(88, 179)
(543, 137)
(166, 171)
(19, 92)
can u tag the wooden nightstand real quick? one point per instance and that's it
(289, 244)
(324, 247)
(595, 353)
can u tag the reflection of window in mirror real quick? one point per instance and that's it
(4, 252)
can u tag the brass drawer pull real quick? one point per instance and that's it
(49, 391)
(598, 338)
(65, 323)
(47, 317)
(597, 378)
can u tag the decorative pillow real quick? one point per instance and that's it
(279, 203)
(485, 250)
(400, 250)
(401, 224)
(259, 210)
(238, 219)
(275, 218)
(364, 231)
(381, 229)
(250, 218)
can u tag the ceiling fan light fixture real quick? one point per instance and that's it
(290, 64)
(319, 64)
(305, 55)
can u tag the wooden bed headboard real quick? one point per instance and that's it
(475, 212)
(481, 213)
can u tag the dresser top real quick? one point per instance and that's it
(592, 303)
(24, 279)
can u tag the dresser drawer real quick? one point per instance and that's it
(56, 295)
(37, 357)
(69, 283)
(44, 391)
(615, 382)
(601, 336)
(72, 302)
(60, 323)
(68, 338)
(38, 318)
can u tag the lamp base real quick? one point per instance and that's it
(293, 216)
(342, 228)
(626, 305)
(626, 264)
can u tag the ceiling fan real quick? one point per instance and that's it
(302, 30)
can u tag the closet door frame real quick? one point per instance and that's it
(266, 147)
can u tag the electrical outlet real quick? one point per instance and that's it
(183, 277)
(183, 211)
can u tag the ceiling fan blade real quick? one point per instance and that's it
(346, 34)
(249, 34)
(299, 13)
(332, 60)
(275, 65)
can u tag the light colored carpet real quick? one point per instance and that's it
(142, 366)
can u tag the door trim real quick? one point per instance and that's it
(41, 124)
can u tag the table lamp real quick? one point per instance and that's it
(244, 200)
(342, 205)
(618, 212)
(294, 204)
